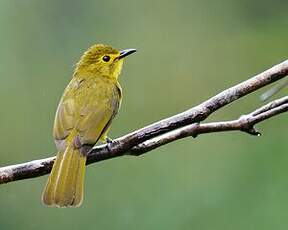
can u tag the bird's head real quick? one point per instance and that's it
(102, 60)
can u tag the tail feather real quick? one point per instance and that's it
(66, 181)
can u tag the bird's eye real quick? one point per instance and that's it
(106, 58)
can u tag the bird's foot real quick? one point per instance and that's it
(109, 143)
(109, 140)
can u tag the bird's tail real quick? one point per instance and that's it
(65, 184)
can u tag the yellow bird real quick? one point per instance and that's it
(84, 115)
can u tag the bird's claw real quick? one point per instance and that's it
(109, 143)
(109, 140)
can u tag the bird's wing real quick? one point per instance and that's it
(90, 116)
(94, 119)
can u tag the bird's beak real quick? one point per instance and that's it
(124, 53)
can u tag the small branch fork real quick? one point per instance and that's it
(185, 124)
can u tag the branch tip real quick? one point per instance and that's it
(254, 132)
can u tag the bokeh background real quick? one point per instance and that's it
(187, 52)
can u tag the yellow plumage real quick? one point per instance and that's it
(84, 114)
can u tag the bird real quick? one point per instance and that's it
(88, 105)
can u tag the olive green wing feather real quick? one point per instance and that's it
(90, 117)
(94, 119)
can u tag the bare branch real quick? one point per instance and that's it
(181, 123)
(271, 105)
(245, 124)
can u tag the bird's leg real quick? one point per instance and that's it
(107, 140)
(109, 143)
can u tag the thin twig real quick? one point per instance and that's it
(271, 105)
(127, 143)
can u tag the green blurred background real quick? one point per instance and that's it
(187, 52)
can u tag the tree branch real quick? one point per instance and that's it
(173, 128)
(245, 124)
